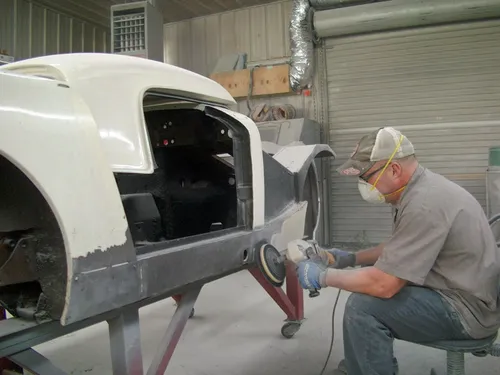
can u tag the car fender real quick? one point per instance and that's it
(299, 161)
(298, 158)
(49, 134)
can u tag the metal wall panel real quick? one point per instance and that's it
(439, 85)
(97, 11)
(260, 31)
(28, 29)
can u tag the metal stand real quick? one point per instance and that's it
(125, 341)
(291, 302)
(35, 363)
(173, 334)
(5, 363)
(125, 335)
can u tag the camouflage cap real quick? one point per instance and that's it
(376, 146)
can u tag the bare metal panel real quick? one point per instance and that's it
(439, 85)
(170, 45)
(260, 31)
(51, 32)
(37, 45)
(184, 39)
(65, 36)
(76, 36)
(88, 37)
(28, 29)
(212, 41)
(96, 12)
(198, 30)
(275, 27)
(7, 25)
(242, 31)
(22, 29)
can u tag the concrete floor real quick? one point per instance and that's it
(236, 330)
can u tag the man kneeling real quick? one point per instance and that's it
(436, 278)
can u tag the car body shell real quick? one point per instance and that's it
(69, 122)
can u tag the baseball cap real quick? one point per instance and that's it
(376, 146)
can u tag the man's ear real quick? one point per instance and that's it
(397, 170)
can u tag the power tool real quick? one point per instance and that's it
(272, 263)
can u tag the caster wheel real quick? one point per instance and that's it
(290, 329)
(433, 372)
(192, 313)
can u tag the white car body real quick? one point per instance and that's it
(70, 122)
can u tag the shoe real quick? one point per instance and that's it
(342, 370)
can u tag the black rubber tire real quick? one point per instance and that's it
(289, 329)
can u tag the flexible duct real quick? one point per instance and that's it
(329, 4)
(397, 14)
(301, 44)
(302, 38)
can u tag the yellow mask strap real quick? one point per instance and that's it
(388, 162)
(394, 192)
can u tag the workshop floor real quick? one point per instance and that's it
(236, 331)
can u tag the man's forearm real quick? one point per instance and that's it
(368, 257)
(368, 280)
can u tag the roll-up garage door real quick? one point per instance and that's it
(439, 85)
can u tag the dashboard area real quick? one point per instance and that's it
(187, 128)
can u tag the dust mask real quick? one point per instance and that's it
(370, 193)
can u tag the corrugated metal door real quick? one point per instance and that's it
(438, 85)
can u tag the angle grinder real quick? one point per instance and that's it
(272, 263)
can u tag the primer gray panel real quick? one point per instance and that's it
(439, 85)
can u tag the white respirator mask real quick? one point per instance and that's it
(370, 193)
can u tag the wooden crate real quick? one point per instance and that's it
(267, 80)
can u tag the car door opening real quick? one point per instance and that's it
(195, 188)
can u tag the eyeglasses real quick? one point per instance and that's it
(367, 177)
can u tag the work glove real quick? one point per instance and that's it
(336, 258)
(312, 274)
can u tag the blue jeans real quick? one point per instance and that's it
(371, 324)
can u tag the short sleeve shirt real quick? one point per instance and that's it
(442, 240)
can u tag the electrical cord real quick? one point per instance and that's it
(333, 333)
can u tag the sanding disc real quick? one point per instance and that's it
(271, 264)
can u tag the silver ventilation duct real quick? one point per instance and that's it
(397, 14)
(301, 44)
(329, 4)
(342, 18)
(302, 38)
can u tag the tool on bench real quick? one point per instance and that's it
(272, 263)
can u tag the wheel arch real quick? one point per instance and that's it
(26, 211)
(302, 160)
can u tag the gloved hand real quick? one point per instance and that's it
(312, 274)
(337, 258)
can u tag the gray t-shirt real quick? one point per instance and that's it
(442, 240)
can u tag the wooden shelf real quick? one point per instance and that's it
(267, 80)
